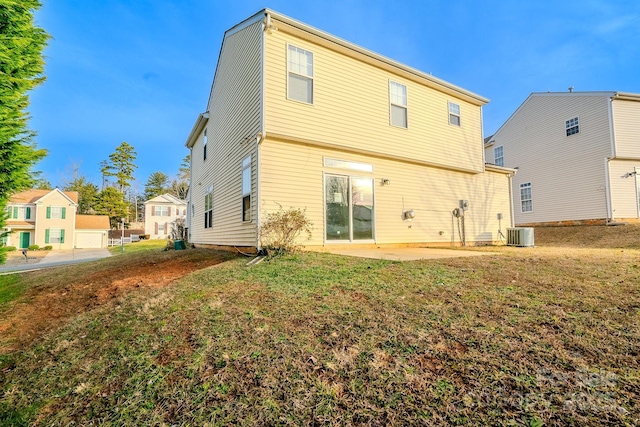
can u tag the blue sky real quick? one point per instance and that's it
(140, 70)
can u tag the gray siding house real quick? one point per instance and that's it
(577, 156)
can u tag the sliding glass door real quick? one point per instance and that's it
(349, 208)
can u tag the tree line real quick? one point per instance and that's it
(116, 197)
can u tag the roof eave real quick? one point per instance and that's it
(626, 96)
(200, 123)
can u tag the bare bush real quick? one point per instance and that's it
(280, 230)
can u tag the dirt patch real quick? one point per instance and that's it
(59, 294)
(17, 258)
(589, 236)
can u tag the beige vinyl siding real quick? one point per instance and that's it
(43, 223)
(293, 176)
(351, 108)
(567, 173)
(624, 188)
(626, 119)
(234, 122)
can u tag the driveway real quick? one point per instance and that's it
(403, 254)
(58, 257)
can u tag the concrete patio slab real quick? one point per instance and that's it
(403, 254)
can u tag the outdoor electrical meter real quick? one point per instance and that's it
(464, 205)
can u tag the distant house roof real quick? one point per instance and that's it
(33, 195)
(92, 222)
(166, 198)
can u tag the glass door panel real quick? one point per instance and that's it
(349, 208)
(337, 207)
(362, 208)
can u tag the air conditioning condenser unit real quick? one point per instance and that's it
(520, 236)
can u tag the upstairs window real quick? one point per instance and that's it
(526, 201)
(454, 114)
(18, 212)
(572, 126)
(56, 212)
(246, 189)
(161, 211)
(300, 70)
(208, 207)
(398, 104)
(498, 156)
(204, 145)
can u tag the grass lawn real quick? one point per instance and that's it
(141, 246)
(530, 336)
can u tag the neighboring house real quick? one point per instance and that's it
(373, 150)
(577, 155)
(41, 217)
(48, 218)
(161, 215)
(92, 231)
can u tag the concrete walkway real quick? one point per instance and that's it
(403, 254)
(58, 257)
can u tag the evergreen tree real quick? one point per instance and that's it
(21, 69)
(122, 165)
(156, 185)
(87, 194)
(110, 202)
(184, 172)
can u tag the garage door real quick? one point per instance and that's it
(88, 240)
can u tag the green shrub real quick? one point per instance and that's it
(280, 230)
(34, 247)
(10, 248)
(47, 248)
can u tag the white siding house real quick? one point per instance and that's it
(374, 151)
(162, 215)
(577, 154)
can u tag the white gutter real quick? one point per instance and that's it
(607, 191)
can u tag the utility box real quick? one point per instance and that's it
(179, 245)
(520, 236)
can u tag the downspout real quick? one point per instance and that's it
(607, 189)
(266, 24)
(607, 192)
(513, 213)
(190, 193)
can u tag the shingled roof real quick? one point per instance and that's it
(33, 195)
(92, 222)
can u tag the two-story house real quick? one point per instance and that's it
(577, 155)
(162, 214)
(42, 217)
(375, 151)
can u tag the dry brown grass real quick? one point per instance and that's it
(530, 336)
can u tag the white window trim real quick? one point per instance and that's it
(577, 119)
(158, 210)
(311, 77)
(458, 115)
(51, 237)
(406, 106)
(59, 208)
(204, 145)
(208, 207)
(526, 184)
(246, 164)
(495, 159)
